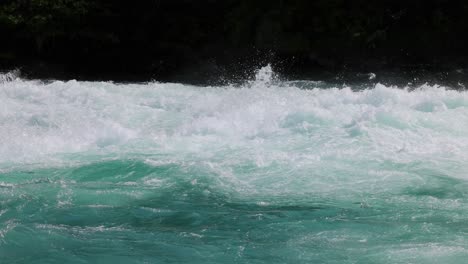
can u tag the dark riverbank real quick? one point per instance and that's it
(212, 41)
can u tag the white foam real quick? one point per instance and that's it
(323, 139)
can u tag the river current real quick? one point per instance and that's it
(269, 171)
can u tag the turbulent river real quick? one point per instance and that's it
(269, 171)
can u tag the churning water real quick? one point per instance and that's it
(268, 172)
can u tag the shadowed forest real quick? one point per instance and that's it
(188, 39)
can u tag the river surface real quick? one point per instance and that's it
(269, 171)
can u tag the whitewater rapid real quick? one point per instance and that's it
(268, 121)
(402, 152)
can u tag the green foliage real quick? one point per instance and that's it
(44, 19)
(170, 34)
(37, 15)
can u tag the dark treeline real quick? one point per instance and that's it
(177, 39)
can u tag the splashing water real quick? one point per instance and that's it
(9, 76)
(265, 76)
(96, 172)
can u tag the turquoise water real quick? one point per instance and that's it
(268, 172)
